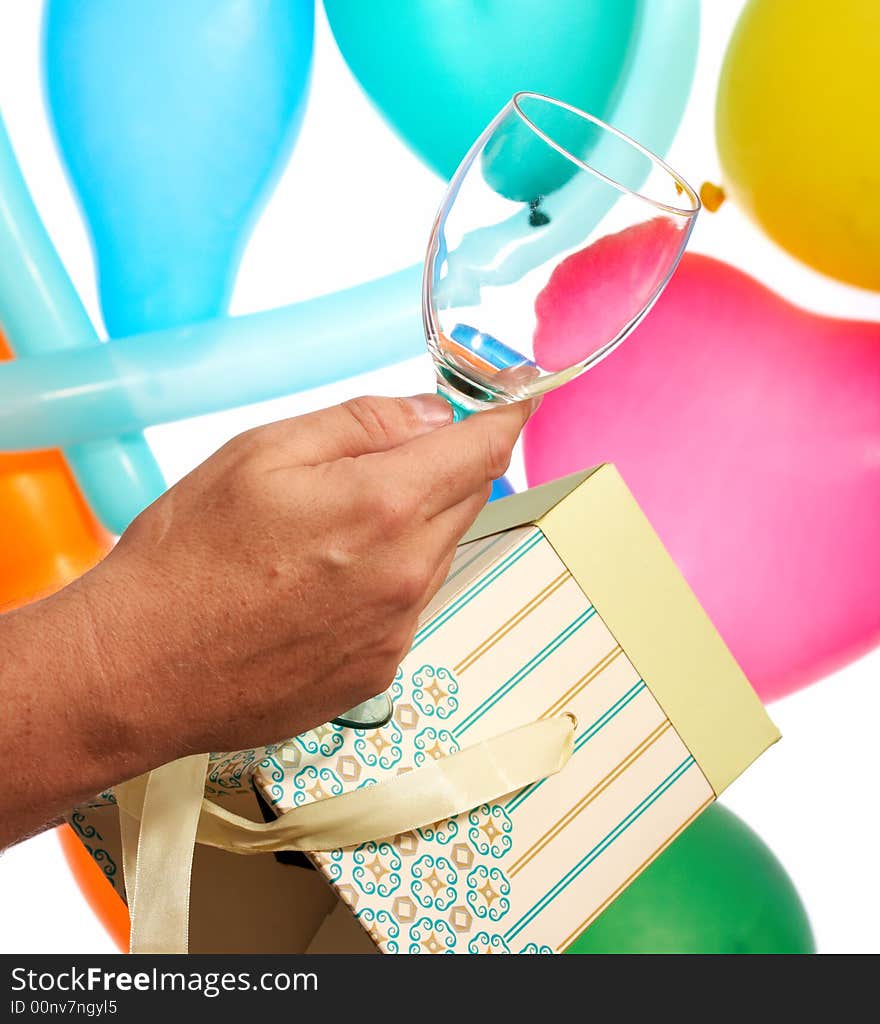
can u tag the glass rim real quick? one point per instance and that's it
(687, 190)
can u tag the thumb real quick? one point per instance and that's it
(358, 427)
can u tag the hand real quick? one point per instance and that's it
(281, 581)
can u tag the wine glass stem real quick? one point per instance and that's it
(459, 410)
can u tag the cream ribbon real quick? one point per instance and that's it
(164, 814)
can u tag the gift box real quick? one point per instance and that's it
(562, 622)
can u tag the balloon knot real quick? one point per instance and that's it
(712, 196)
(537, 217)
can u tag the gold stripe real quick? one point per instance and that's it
(586, 924)
(512, 622)
(589, 797)
(583, 682)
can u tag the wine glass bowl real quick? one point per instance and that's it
(555, 237)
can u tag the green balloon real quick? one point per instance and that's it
(717, 889)
(439, 72)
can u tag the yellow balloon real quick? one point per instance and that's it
(798, 128)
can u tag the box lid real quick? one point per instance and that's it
(524, 508)
(598, 530)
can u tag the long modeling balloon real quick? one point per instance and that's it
(748, 430)
(214, 365)
(440, 72)
(174, 121)
(41, 312)
(798, 105)
(717, 889)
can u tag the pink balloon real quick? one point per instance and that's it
(749, 431)
(622, 273)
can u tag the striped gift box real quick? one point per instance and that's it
(559, 600)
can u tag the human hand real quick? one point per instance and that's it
(281, 581)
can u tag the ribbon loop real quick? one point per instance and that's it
(173, 815)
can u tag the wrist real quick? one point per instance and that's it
(119, 720)
(70, 726)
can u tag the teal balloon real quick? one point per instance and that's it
(717, 889)
(519, 164)
(174, 121)
(439, 72)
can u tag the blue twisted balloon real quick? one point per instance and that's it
(174, 121)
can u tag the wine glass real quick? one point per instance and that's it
(555, 237)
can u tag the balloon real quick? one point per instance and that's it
(174, 121)
(625, 270)
(748, 430)
(41, 312)
(210, 366)
(104, 901)
(798, 94)
(171, 374)
(440, 72)
(49, 536)
(716, 889)
(500, 488)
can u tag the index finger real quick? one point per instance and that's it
(445, 467)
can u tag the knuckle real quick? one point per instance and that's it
(392, 511)
(245, 453)
(397, 643)
(248, 442)
(409, 582)
(497, 455)
(374, 417)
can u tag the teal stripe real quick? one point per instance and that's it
(483, 548)
(584, 738)
(599, 848)
(630, 695)
(523, 672)
(477, 588)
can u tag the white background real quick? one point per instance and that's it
(353, 204)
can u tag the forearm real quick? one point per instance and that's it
(69, 727)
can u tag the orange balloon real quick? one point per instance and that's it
(106, 904)
(49, 536)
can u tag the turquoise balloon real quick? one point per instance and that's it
(174, 121)
(41, 313)
(439, 72)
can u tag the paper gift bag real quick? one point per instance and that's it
(565, 711)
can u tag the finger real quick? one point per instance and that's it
(444, 467)
(450, 525)
(435, 543)
(357, 427)
(439, 577)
